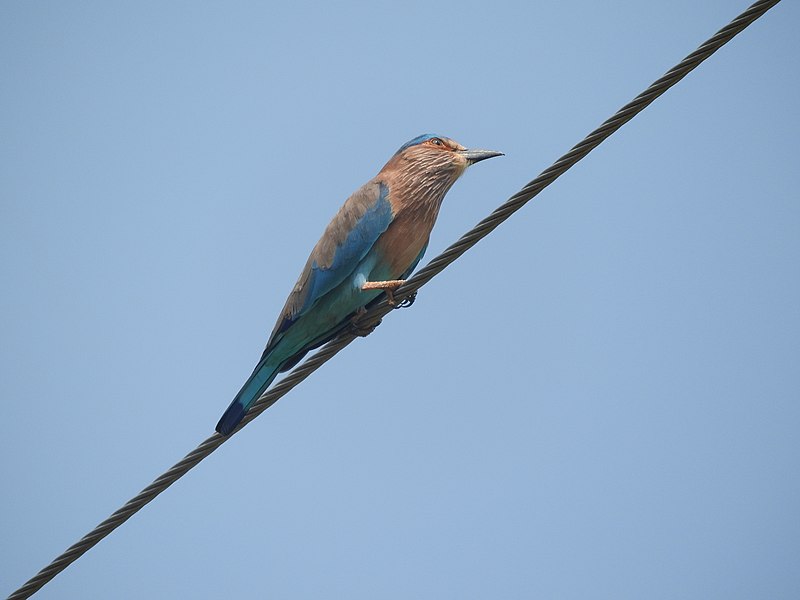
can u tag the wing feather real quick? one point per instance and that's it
(347, 239)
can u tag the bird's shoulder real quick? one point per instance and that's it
(365, 214)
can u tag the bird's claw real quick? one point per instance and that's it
(359, 329)
(407, 301)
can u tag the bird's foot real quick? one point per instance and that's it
(407, 301)
(387, 286)
(360, 329)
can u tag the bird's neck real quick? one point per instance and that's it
(417, 190)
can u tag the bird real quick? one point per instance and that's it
(370, 247)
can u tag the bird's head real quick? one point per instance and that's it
(430, 154)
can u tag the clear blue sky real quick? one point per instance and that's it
(601, 400)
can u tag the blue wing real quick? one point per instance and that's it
(346, 241)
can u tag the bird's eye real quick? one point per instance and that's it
(437, 142)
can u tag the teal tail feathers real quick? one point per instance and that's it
(263, 375)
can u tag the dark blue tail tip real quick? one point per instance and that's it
(232, 417)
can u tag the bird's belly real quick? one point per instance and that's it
(401, 244)
(390, 257)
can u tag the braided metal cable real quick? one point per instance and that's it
(373, 316)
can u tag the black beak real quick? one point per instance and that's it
(474, 156)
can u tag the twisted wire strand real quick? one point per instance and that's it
(373, 315)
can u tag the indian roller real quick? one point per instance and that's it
(372, 244)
